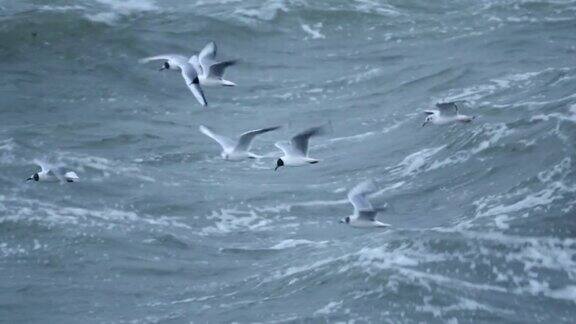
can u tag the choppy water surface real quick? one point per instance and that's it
(161, 230)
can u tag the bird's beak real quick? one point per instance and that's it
(341, 221)
(28, 179)
(276, 168)
(162, 68)
(424, 123)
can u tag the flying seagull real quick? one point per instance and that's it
(53, 174)
(364, 213)
(296, 151)
(446, 113)
(189, 73)
(236, 150)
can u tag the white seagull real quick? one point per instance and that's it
(189, 73)
(296, 151)
(236, 150)
(364, 213)
(54, 174)
(210, 71)
(446, 113)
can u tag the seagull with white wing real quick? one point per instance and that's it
(236, 150)
(296, 151)
(53, 174)
(210, 71)
(447, 112)
(181, 63)
(364, 213)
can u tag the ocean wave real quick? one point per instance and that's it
(121, 8)
(27, 210)
(415, 162)
(290, 243)
(523, 201)
(6, 151)
(105, 166)
(234, 220)
(482, 139)
(482, 212)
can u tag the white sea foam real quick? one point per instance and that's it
(415, 162)
(359, 137)
(313, 32)
(477, 92)
(354, 138)
(463, 304)
(120, 8)
(569, 116)
(19, 209)
(7, 250)
(330, 308)
(524, 199)
(233, 220)
(6, 151)
(298, 270)
(106, 166)
(286, 244)
(385, 257)
(60, 8)
(378, 7)
(126, 7)
(492, 133)
(533, 253)
(266, 11)
(364, 76)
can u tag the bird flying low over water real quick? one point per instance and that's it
(189, 73)
(447, 112)
(200, 69)
(364, 213)
(53, 174)
(296, 151)
(210, 71)
(236, 150)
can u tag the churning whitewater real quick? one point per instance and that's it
(158, 227)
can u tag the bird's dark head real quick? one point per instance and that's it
(345, 220)
(35, 177)
(165, 66)
(279, 163)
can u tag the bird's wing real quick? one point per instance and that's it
(207, 55)
(194, 56)
(217, 69)
(59, 173)
(191, 77)
(286, 147)
(225, 142)
(300, 141)
(245, 139)
(196, 64)
(369, 215)
(43, 165)
(176, 58)
(358, 199)
(447, 108)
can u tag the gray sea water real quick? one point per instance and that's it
(161, 230)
